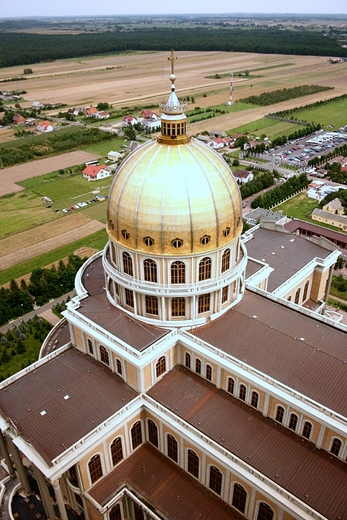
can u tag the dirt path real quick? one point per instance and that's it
(42, 246)
(9, 176)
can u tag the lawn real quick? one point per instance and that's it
(103, 148)
(66, 190)
(270, 127)
(333, 113)
(300, 206)
(96, 241)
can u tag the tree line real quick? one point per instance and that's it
(25, 48)
(51, 144)
(280, 193)
(284, 94)
(44, 284)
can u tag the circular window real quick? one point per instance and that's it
(148, 241)
(177, 243)
(125, 234)
(205, 240)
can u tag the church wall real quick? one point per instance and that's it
(93, 514)
(318, 284)
(132, 375)
(78, 336)
(147, 376)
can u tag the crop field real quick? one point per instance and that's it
(134, 81)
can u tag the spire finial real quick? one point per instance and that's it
(172, 58)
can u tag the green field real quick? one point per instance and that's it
(270, 127)
(330, 114)
(103, 148)
(95, 241)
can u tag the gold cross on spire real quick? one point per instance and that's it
(172, 58)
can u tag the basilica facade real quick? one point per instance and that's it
(172, 389)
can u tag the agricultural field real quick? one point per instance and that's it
(129, 82)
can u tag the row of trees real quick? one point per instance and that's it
(260, 182)
(275, 196)
(26, 48)
(51, 144)
(44, 284)
(277, 96)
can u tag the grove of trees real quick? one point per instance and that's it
(275, 196)
(26, 48)
(277, 96)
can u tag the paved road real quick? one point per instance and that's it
(45, 312)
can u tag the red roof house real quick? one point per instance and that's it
(94, 173)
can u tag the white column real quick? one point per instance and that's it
(60, 500)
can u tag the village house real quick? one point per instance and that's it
(148, 114)
(36, 105)
(243, 176)
(18, 119)
(94, 173)
(91, 111)
(44, 126)
(217, 143)
(102, 115)
(130, 120)
(114, 156)
(334, 206)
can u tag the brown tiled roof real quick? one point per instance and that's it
(297, 350)
(169, 489)
(66, 421)
(98, 309)
(286, 253)
(293, 225)
(278, 453)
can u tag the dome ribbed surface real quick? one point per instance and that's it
(185, 192)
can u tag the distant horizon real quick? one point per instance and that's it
(134, 15)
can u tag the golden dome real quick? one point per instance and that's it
(174, 200)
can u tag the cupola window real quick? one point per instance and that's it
(178, 307)
(203, 303)
(177, 243)
(226, 232)
(205, 240)
(152, 305)
(148, 241)
(125, 234)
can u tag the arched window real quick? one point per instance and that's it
(119, 367)
(297, 296)
(160, 367)
(255, 400)
(304, 298)
(242, 392)
(205, 268)
(226, 260)
(204, 303)
(116, 451)
(215, 482)
(187, 359)
(198, 366)
(209, 372)
(231, 385)
(172, 448)
(239, 498)
(193, 463)
(225, 293)
(178, 307)
(293, 421)
(178, 272)
(152, 305)
(90, 347)
(265, 512)
(129, 298)
(95, 469)
(306, 432)
(150, 270)
(128, 264)
(136, 435)
(104, 355)
(115, 513)
(280, 414)
(335, 447)
(152, 433)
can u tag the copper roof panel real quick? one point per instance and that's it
(165, 486)
(97, 308)
(290, 347)
(275, 451)
(65, 419)
(284, 252)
